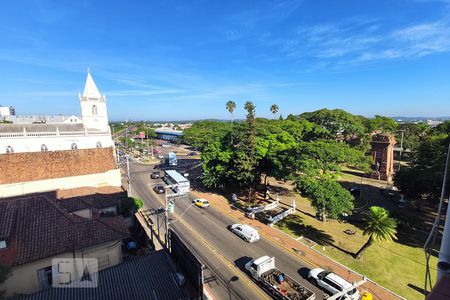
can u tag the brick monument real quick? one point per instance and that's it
(382, 153)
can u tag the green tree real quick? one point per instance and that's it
(203, 133)
(250, 108)
(327, 196)
(216, 161)
(128, 142)
(274, 109)
(231, 106)
(337, 122)
(413, 133)
(323, 157)
(379, 226)
(379, 123)
(425, 173)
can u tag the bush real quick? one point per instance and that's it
(130, 205)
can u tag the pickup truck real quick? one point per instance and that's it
(275, 282)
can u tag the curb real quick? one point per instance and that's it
(307, 260)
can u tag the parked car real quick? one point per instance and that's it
(246, 232)
(332, 283)
(159, 189)
(160, 156)
(155, 175)
(201, 202)
(191, 154)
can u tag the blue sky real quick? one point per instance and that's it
(175, 60)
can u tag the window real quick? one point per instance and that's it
(94, 110)
(74, 146)
(332, 284)
(9, 149)
(99, 145)
(44, 148)
(2, 244)
(45, 277)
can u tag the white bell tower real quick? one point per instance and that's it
(93, 106)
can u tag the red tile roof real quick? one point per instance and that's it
(31, 166)
(35, 227)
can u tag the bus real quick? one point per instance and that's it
(171, 159)
(179, 183)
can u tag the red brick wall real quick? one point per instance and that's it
(22, 167)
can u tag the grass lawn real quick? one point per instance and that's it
(393, 265)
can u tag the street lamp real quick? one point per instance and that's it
(232, 279)
(128, 175)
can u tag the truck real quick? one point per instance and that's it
(171, 159)
(275, 282)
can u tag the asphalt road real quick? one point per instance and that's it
(225, 254)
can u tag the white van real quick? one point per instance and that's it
(247, 233)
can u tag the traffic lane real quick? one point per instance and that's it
(212, 225)
(225, 282)
(219, 273)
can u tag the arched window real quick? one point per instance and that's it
(74, 146)
(94, 110)
(44, 148)
(99, 145)
(9, 149)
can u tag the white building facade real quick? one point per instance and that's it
(56, 133)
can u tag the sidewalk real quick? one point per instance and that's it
(310, 256)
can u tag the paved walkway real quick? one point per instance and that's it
(305, 253)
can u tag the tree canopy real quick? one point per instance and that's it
(203, 133)
(337, 122)
(239, 155)
(426, 171)
(327, 196)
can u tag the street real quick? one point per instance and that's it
(223, 252)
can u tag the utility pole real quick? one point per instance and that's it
(401, 150)
(166, 222)
(128, 174)
(443, 266)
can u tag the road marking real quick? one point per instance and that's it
(225, 260)
(303, 259)
(232, 268)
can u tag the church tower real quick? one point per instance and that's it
(93, 106)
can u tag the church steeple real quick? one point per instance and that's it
(90, 88)
(93, 106)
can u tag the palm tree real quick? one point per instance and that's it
(231, 106)
(274, 109)
(379, 226)
(250, 108)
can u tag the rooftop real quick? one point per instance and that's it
(176, 176)
(147, 277)
(36, 227)
(168, 131)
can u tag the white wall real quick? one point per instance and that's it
(91, 121)
(109, 178)
(4, 111)
(54, 143)
(24, 278)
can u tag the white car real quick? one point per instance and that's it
(332, 283)
(201, 202)
(246, 232)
